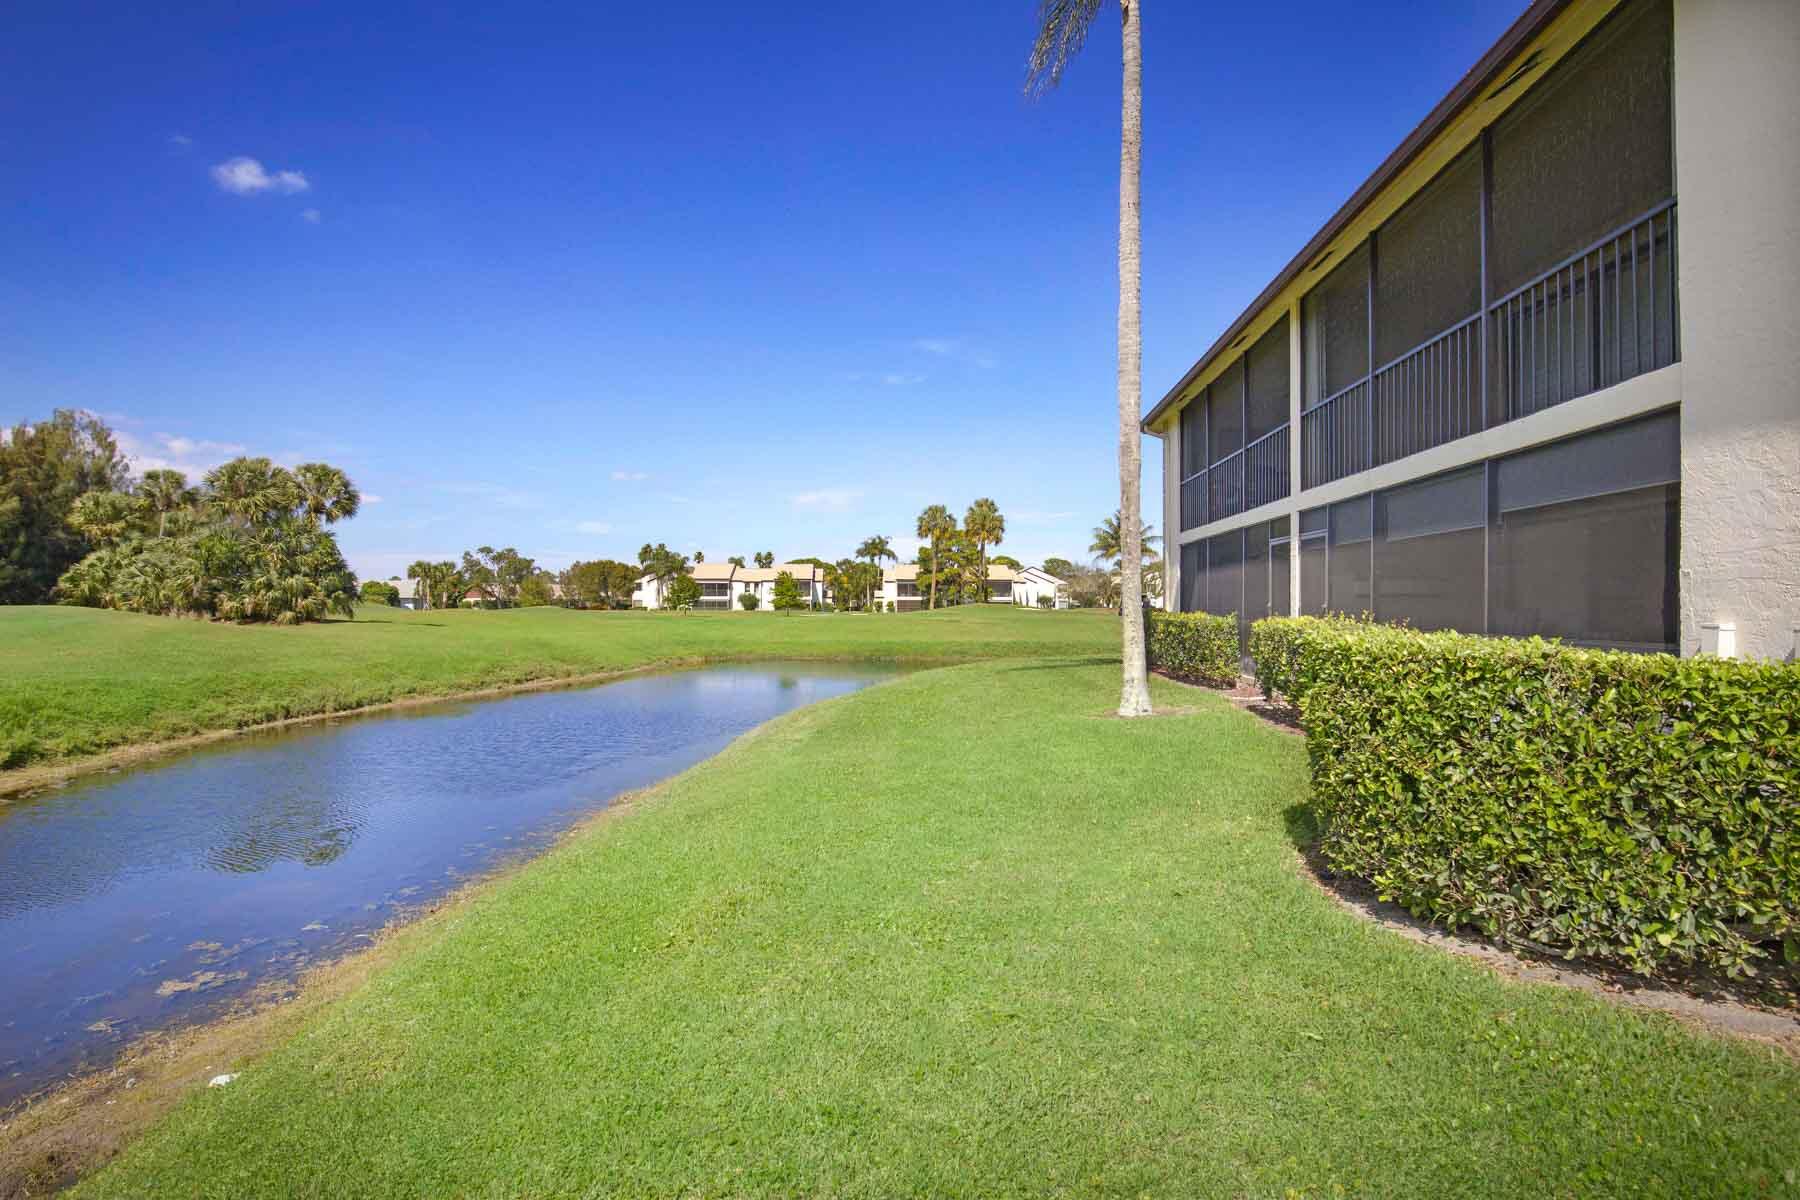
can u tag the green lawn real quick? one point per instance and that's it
(963, 935)
(75, 681)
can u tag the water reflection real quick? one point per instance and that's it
(134, 899)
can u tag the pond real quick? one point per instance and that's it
(134, 901)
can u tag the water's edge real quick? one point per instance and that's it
(19, 782)
(70, 1129)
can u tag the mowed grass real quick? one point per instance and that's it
(963, 935)
(76, 681)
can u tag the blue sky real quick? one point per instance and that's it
(731, 277)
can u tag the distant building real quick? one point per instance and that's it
(721, 583)
(411, 593)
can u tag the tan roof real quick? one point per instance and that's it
(907, 572)
(802, 573)
(712, 572)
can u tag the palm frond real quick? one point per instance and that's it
(1062, 30)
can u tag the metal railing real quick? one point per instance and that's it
(1242, 480)
(1601, 316)
(1334, 436)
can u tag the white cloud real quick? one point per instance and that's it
(244, 176)
(310, 215)
(827, 500)
(495, 494)
(955, 348)
(180, 139)
(592, 527)
(193, 457)
(941, 347)
(630, 476)
(898, 380)
(370, 499)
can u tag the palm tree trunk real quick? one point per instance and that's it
(932, 607)
(1134, 697)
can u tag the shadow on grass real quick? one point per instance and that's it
(1302, 827)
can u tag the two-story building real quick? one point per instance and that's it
(1539, 374)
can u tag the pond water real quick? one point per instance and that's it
(134, 901)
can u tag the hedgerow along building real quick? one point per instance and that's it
(1540, 374)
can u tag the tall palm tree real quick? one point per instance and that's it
(985, 527)
(935, 524)
(1062, 28)
(1107, 545)
(875, 549)
(326, 493)
(163, 492)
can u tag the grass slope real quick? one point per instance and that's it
(76, 681)
(962, 935)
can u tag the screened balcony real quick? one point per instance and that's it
(1234, 436)
(1537, 267)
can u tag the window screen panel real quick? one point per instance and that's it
(1428, 261)
(1266, 366)
(1278, 528)
(1623, 457)
(1431, 552)
(1598, 571)
(1193, 577)
(1587, 150)
(1225, 403)
(1351, 529)
(1193, 436)
(1314, 520)
(1225, 573)
(1280, 579)
(1315, 585)
(1334, 328)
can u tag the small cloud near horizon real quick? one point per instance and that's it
(245, 176)
(827, 499)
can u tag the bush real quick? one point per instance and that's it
(1046, 601)
(374, 591)
(1195, 647)
(748, 601)
(1640, 809)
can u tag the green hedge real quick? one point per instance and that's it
(1196, 647)
(1640, 809)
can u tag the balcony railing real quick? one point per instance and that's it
(1242, 480)
(1601, 316)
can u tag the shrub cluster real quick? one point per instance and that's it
(1639, 809)
(1195, 647)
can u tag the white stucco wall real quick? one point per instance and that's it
(1737, 171)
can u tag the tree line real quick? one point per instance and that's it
(249, 542)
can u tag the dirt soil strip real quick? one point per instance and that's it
(53, 1140)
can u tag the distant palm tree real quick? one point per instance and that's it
(1062, 28)
(163, 492)
(875, 549)
(1106, 542)
(935, 524)
(736, 560)
(424, 572)
(326, 494)
(985, 527)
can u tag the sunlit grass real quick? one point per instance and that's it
(963, 934)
